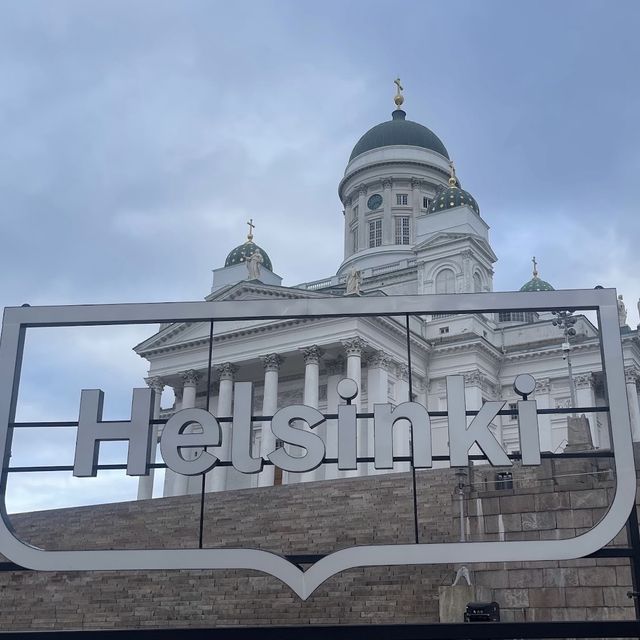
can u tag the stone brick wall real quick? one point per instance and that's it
(546, 502)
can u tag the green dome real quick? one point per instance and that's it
(536, 284)
(453, 196)
(241, 253)
(399, 131)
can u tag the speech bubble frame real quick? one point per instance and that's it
(304, 582)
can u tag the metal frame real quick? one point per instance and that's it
(17, 320)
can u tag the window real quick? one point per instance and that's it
(504, 481)
(354, 239)
(426, 202)
(516, 316)
(402, 230)
(513, 406)
(402, 198)
(446, 281)
(444, 330)
(477, 283)
(375, 233)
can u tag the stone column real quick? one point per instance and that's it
(190, 380)
(402, 429)
(145, 483)
(416, 204)
(387, 219)
(348, 217)
(271, 364)
(631, 375)
(362, 227)
(169, 475)
(377, 393)
(217, 477)
(312, 357)
(353, 349)
(335, 373)
(585, 397)
(542, 396)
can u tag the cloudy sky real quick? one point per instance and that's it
(138, 137)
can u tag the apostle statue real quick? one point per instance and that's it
(353, 282)
(253, 265)
(622, 312)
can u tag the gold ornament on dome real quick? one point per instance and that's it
(399, 98)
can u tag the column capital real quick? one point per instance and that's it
(473, 378)
(271, 362)
(226, 370)
(156, 383)
(583, 381)
(402, 372)
(543, 385)
(334, 367)
(631, 375)
(387, 183)
(379, 360)
(416, 182)
(354, 346)
(312, 354)
(190, 377)
(362, 190)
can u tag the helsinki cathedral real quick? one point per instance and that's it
(409, 228)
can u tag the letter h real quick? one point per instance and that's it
(92, 430)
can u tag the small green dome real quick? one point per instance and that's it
(399, 131)
(241, 253)
(536, 284)
(451, 197)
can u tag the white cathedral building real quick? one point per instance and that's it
(409, 228)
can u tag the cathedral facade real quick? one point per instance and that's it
(409, 228)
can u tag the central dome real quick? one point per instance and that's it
(399, 131)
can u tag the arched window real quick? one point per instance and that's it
(477, 283)
(446, 281)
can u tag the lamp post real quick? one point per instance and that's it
(564, 320)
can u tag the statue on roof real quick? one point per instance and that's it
(253, 265)
(353, 282)
(622, 312)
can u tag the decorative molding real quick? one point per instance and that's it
(190, 377)
(226, 370)
(631, 375)
(543, 385)
(563, 403)
(473, 378)
(156, 383)
(402, 372)
(362, 190)
(584, 381)
(271, 362)
(312, 354)
(354, 347)
(378, 359)
(416, 182)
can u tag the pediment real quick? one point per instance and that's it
(182, 334)
(443, 239)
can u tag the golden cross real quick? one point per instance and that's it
(251, 228)
(535, 267)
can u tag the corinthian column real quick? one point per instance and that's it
(312, 357)
(377, 393)
(190, 382)
(217, 477)
(354, 349)
(335, 369)
(145, 484)
(271, 364)
(585, 397)
(631, 375)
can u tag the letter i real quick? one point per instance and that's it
(527, 420)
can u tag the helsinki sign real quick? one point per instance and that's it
(197, 429)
